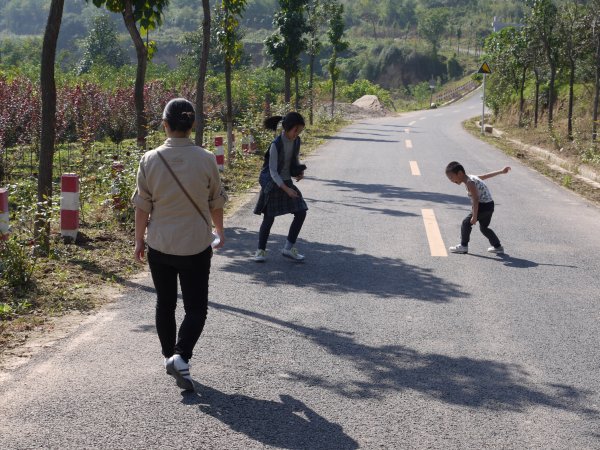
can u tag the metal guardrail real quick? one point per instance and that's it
(455, 93)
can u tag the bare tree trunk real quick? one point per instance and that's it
(551, 84)
(521, 95)
(332, 97)
(287, 89)
(140, 77)
(571, 96)
(202, 73)
(48, 136)
(537, 98)
(597, 93)
(311, 93)
(297, 88)
(229, 113)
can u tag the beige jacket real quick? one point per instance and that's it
(175, 227)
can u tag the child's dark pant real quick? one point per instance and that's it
(484, 217)
(267, 223)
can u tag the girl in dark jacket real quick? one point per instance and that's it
(278, 194)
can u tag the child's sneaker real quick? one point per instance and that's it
(497, 250)
(260, 255)
(292, 253)
(180, 370)
(459, 249)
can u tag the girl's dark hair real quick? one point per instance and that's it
(455, 167)
(179, 114)
(289, 121)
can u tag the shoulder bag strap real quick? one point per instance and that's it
(182, 188)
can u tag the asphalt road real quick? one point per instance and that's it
(372, 342)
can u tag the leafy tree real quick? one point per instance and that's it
(202, 69)
(508, 49)
(543, 23)
(287, 42)
(593, 20)
(335, 35)
(432, 26)
(48, 135)
(367, 11)
(23, 17)
(231, 47)
(148, 14)
(572, 31)
(101, 46)
(316, 19)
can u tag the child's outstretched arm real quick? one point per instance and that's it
(493, 174)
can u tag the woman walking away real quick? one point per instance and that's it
(278, 194)
(178, 198)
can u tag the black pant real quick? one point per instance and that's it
(484, 217)
(267, 223)
(193, 274)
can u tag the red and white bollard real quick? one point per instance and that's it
(3, 214)
(69, 205)
(248, 144)
(220, 153)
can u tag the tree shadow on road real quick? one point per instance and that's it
(335, 269)
(288, 423)
(394, 192)
(463, 381)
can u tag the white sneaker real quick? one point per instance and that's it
(496, 250)
(260, 255)
(459, 249)
(292, 253)
(180, 370)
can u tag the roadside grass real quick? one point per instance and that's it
(537, 163)
(78, 276)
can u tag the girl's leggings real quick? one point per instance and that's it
(484, 217)
(267, 223)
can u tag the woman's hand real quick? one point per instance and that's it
(289, 191)
(505, 170)
(221, 234)
(473, 220)
(140, 249)
(299, 177)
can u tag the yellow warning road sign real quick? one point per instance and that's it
(484, 68)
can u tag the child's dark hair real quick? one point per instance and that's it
(179, 114)
(289, 121)
(455, 167)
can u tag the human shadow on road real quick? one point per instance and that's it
(332, 268)
(288, 423)
(370, 209)
(349, 138)
(367, 132)
(463, 381)
(395, 192)
(519, 263)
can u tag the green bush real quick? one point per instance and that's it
(17, 263)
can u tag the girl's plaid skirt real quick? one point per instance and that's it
(273, 201)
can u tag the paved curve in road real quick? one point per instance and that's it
(379, 340)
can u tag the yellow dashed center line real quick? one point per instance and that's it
(408, 143)
(412, 123)
(414, 168)
(436, 243)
